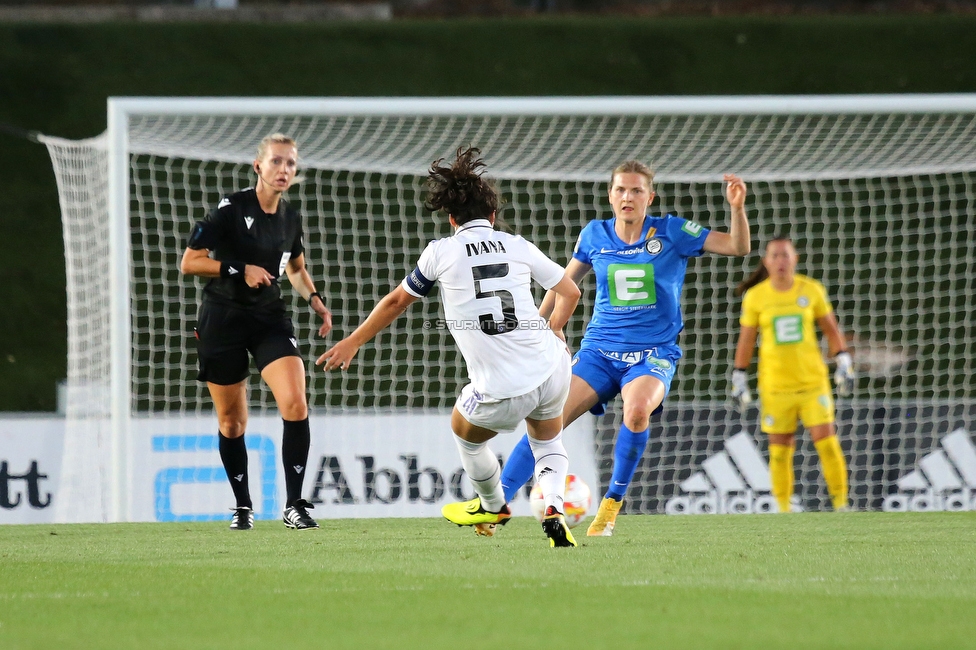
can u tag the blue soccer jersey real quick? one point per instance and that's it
(638, 286)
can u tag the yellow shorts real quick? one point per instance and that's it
(781, 412)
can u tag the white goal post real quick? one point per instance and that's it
(876, 191)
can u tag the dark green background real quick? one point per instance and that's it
(56, 79)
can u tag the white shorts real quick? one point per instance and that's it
(543, 403)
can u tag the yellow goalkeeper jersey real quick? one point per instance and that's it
(789, 350)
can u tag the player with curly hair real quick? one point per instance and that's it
(517, 361)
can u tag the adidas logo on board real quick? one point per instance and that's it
(945, 479)
(733, 481)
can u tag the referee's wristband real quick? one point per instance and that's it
(315, 294)
(232, 270)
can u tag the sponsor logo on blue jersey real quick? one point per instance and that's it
(638, 296)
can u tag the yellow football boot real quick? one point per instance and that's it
(470, 513)
(606, 516)
(554, 525)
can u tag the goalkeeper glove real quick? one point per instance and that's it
(844, 375)
(741, 398)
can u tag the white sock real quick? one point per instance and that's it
(484, 472)
(551, 467)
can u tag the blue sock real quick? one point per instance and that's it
(627, 452)
(518, 469)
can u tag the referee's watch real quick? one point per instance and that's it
(315, 294)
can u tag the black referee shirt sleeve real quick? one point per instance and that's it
(298, 246)
(210, 231)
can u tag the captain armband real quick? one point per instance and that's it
(419, 284)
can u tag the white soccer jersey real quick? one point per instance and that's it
(485, 278)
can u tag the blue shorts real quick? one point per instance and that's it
(608, 371)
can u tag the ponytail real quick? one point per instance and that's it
(759, 273)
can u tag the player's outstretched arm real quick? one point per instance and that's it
(385, 312)
(738, 241)
(300, 278)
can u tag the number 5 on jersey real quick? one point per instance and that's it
(631, 285)
(490, 325)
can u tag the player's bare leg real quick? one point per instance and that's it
(581, 399)
(286, 379)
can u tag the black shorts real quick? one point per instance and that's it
(225, 335)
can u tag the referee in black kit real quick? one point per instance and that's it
(255, 237)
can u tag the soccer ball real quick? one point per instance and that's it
(575, 503)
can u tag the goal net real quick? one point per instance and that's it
(876, 192)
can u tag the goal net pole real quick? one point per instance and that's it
(120, 305)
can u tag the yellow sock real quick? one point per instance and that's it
(834, 469)
(781, 474)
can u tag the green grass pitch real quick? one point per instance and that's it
(816, 580)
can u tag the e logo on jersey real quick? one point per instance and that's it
(788, 329)
(692, 228)
(631, 285)
(654, 246)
